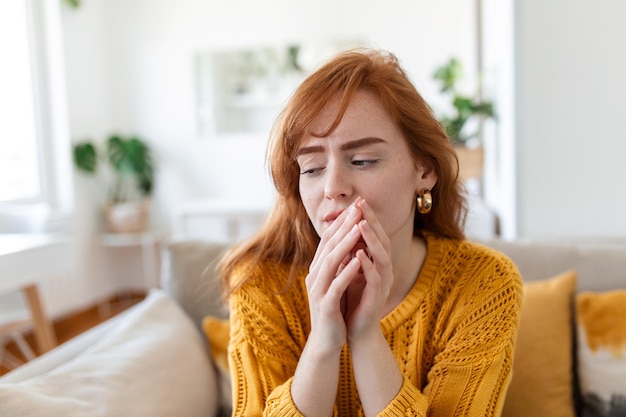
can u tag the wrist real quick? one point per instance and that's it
(325, 345)
(373, 334)
(373, 360)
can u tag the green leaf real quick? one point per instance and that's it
(484, 108)
(454, 126)
(465, 107)
(85, 157)
(449, 74)
(131, 157)
(73, 3)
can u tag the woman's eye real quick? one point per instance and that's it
(310, 171)
(364, 162)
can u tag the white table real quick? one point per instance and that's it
(27, 258)
(221, 220)
(25, 261)
(149, 246)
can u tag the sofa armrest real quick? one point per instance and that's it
(127, 367)
(64, 352)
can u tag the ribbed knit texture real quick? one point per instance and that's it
(452, 336)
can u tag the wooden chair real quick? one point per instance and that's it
(12, 328)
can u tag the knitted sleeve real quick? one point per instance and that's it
(473, 338)
(265, 345)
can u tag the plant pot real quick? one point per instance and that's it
(470, 162)
(127, 217)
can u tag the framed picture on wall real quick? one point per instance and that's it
(239, 92)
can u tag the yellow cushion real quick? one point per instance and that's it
(601, 320)
(542, 383)
(217, 332)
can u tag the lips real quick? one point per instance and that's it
(331, 217)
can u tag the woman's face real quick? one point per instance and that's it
(365, 156)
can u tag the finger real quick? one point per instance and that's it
(375, 292)
(336, 260)
(378, 250)
(333, 262)
(343, 263)
(340, 284)
(374, 235)
(369, 215)
(371, 274)
(336, 234)
(337, 231)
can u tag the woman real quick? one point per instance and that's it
(360, 295)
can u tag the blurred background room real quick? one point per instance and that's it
(128, 123)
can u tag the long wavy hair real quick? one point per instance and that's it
(288, 235)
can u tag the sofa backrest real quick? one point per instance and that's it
(599, 266)
(188, 275)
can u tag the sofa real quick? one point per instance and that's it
(160, 358)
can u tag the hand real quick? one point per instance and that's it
(332, 270)
(369, 288)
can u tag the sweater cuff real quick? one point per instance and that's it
(280, 402)
(408, 398)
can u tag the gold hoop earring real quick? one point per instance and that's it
(425, 202)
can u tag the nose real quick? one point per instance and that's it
(338, 184)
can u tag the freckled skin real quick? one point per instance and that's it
(389, 185)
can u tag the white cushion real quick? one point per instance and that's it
(153, 363)
(601, 321)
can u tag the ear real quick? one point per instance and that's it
(426, 175)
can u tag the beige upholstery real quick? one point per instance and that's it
(188, 275)
(188, 272)
(600, 267)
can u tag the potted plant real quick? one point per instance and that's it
(131, 173)
(468, 112)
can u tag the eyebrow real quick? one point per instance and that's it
(344, 147)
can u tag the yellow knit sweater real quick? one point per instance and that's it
(452, 336)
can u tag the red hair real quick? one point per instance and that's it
(288, 235)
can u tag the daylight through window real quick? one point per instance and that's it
(19, 158)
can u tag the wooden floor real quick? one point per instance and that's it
(78, 322)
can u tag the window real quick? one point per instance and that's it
(19, 165)
(35, 161)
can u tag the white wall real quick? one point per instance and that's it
(130, 70)
(561, 92)
(90, 109)
(570, 100)
(137, 58)
(498, 63)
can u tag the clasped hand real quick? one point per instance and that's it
(350, 278)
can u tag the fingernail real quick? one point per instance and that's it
(352, 211)
(354, 230)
